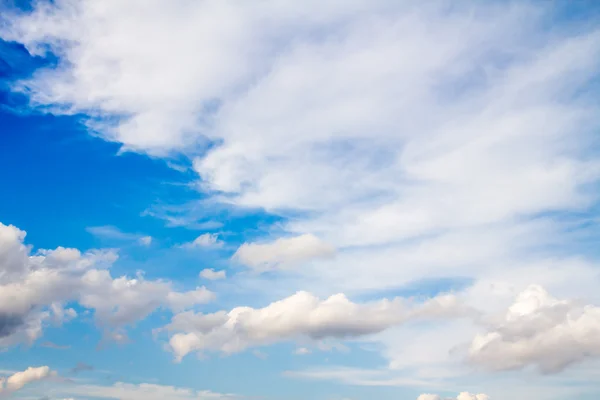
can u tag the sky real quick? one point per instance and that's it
(283, 200)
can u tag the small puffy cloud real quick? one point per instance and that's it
(18, 380)
(301, 351)
(461, 396)
(301, 315)
(539, 330)
(145, 240)
(213, 275)
(206, 240)
(283, 252)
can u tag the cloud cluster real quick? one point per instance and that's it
(539, 330)
(34, 287)
(19, 379)
(301, 315)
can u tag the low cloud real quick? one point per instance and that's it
(541, 331)
(18, 380)
(301, 315)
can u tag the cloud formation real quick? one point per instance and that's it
(212, 275)
(206, 240)
(539, 330)
(282, 252)
(19, 379)
(300, 315)
(33, 288)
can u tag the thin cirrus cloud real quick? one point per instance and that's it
(112, 232)
(141, 391)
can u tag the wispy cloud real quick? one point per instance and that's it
(114, 233)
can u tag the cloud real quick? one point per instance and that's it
(114, 233)
(422, 142)
(142, 391)
(52, 345)
(539, 330)
(19, 379)
(206, 240)
(33, 288)
(461, 396)
(282, 252)
(300, 315)
(301, 351)
(212, 275)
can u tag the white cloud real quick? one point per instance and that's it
(142, 391)
(301, 351)
(206, 240)
(19, 379)
(212, 275)
(297, 316)
(145, 240)
(34, 287)
(541, 331)
(282, 252)
(114, 233)
(461, 396)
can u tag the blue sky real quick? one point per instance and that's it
(331, 201)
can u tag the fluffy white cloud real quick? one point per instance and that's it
(212, 275)
(204, 240)
(282, 252)
(19, 379)
(461, 396)
(33, 288)
(541, 331)
(297, 316)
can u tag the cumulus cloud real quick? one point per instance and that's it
(212, 275)
(282, 252)
(19, 379)
(539, 330)
(461, 396)
(301, 315)
(34, 287)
